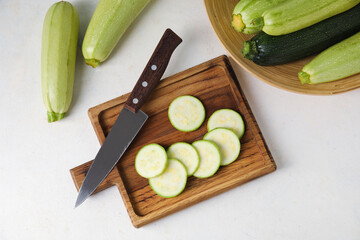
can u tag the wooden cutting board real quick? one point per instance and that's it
(215, 84)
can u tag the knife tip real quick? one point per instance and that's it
(79, 201)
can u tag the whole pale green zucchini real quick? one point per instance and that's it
(109, 22)
(339, 61)
(247, 14)
(58, 55)
(293, 15)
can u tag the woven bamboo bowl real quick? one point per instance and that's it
(281, 76)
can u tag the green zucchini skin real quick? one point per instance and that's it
(58, 56)
(293, 15)
(337, 62)
(109, 22)
(267, 50)
(247, 14)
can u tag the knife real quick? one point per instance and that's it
(131, 118)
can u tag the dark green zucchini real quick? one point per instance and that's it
(267, 50)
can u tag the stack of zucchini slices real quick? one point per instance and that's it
(168, 170)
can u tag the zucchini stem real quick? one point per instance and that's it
(53, 116)
(92, 62)
(249, 50)
(237, 23)
(304, 77)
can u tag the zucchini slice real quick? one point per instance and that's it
(151, 160)
(186, 113)
(186, 154)
(210, 158)
(339, 61)
(227, 118)
(172, 182)
(228, 143)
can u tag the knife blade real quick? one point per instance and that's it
(131, 118)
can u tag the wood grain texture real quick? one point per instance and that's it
(215, 84)
(281, 76)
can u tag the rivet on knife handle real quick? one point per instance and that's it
(153, 71)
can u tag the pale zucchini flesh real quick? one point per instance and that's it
(186, 154)
(228, 143)
(227, 118)
(108, 24)
(151, 160)
(339, 61)
(172, 181)
(210, 158)
(186, 113)
(58, 56)
(293, 15)
(247, 14)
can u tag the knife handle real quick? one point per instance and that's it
(153, 71)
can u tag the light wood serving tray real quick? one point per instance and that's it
(215, 84)
(281, 76)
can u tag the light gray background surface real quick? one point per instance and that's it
(315, 141)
